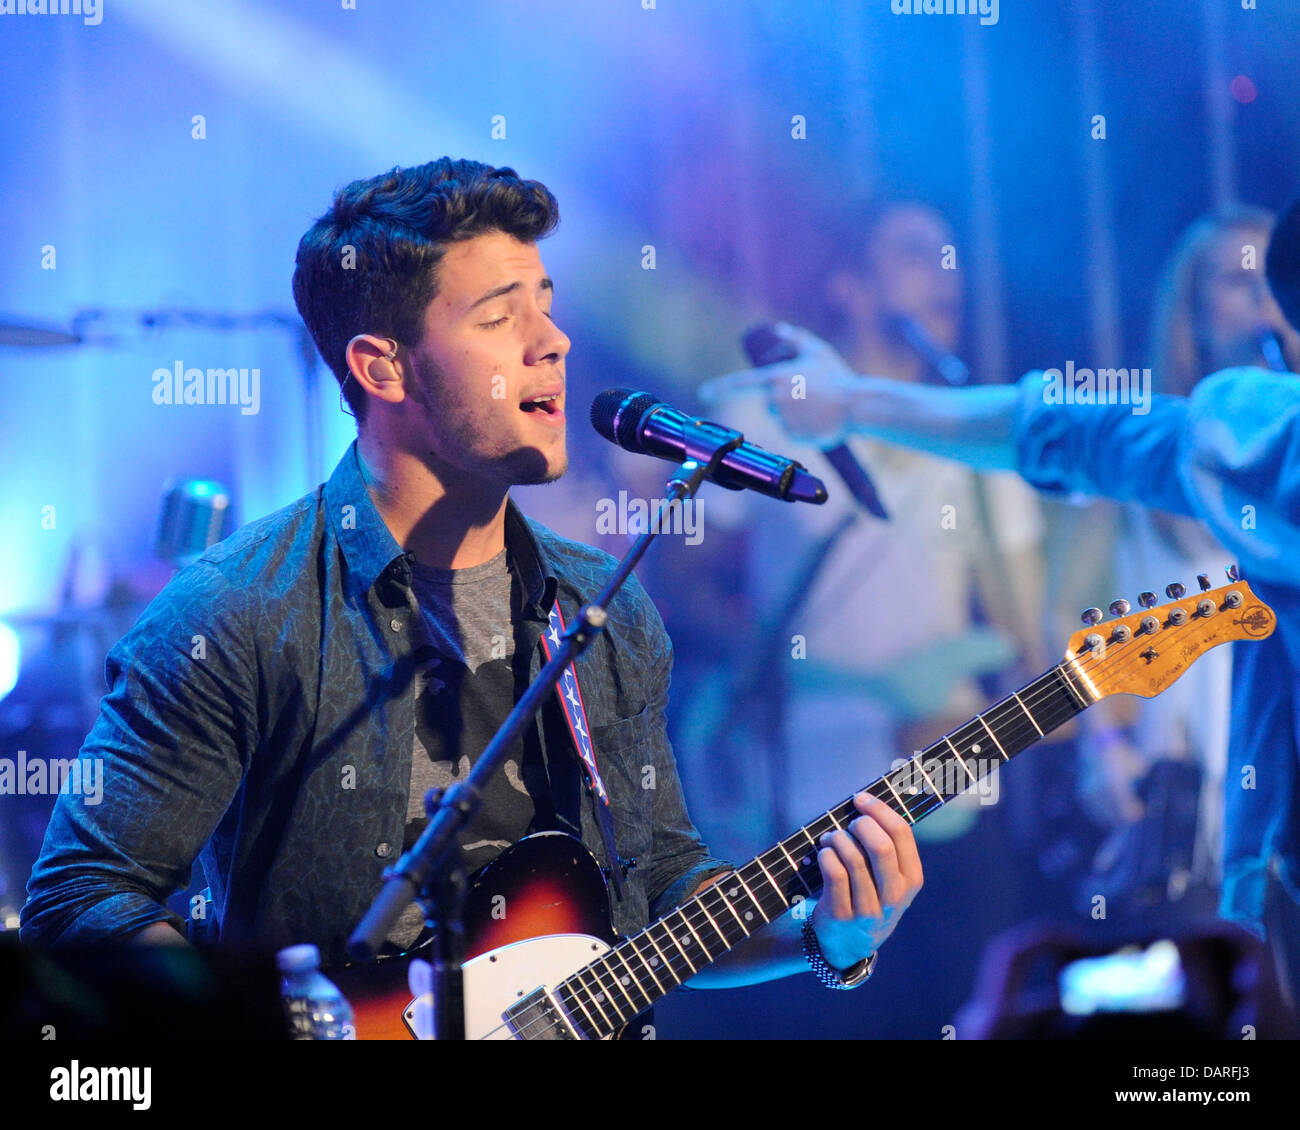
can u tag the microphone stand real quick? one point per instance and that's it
(433, 871)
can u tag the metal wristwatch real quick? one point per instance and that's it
(827, 974)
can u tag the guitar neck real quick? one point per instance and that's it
(605, 994)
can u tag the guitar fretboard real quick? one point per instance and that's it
(605, 994)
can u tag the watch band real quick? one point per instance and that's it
(829, 976)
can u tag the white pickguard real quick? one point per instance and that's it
(500, 978)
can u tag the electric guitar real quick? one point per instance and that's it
(544, 963)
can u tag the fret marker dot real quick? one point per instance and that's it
(600, 997)
(686, 939)
(975, 748)
(749, 916)
(653, 962)
(625, 981)
(731, 894)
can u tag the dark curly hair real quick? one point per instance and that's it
(370, 264)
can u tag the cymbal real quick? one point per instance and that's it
(35, 337)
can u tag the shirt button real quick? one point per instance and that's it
(395, 624)
(384, 850)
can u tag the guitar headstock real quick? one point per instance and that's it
(1142, 653)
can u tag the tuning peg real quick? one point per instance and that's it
(1203, 579)
(1119, 607)
(1233, 575)
(1091, 616)
(1147, 599)
(1175, 591)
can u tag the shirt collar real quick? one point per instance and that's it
(535, 572)
(369, 547)
(371, 551)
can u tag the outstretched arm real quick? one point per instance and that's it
(1125, 451)
(820, 400)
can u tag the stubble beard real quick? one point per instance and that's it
(527, 466)
(548, 476)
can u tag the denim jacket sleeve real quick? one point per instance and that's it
(1242, 466)
(1227, 452)
(680, 861)
(1109, 450)
(173, 738)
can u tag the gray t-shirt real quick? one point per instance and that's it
(465, 684)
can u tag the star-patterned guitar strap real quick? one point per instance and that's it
(570, 695)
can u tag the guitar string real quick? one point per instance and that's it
(781, 902)
(1036, 699)
(916, 807)
(1047, 693)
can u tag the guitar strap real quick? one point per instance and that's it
(575, 715)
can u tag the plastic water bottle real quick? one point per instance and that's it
(316, 1008)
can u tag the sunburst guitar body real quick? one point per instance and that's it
(536, 913)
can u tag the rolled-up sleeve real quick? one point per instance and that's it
(169, 747)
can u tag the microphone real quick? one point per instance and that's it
(764, 346)
(640, 423)
(951, 368)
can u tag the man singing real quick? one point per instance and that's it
(281, 708)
